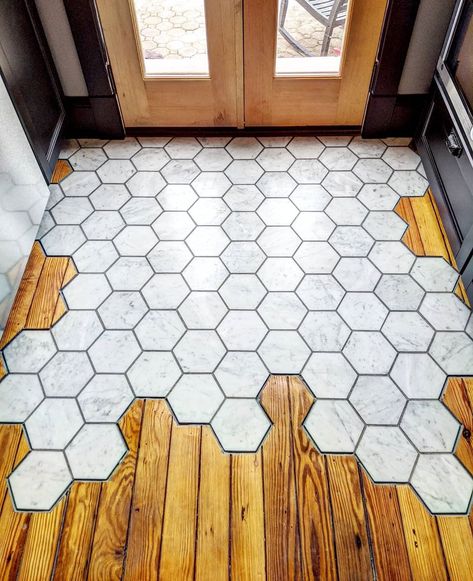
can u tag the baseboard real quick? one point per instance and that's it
(234, 131)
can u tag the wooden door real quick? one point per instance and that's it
(152, 95)
(327, 92)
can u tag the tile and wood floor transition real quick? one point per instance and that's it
(183, 509)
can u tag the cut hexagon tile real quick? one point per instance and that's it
(244, 171)
(280, 274)
(275, 159)
(122, 148)
(214, 141)
(19, 396)
(209, 211)
(77, 330)
(243, 257)
(173, 226)
(242, 330)
(129, 273)
(205, 273)
(86, 291)
(284, 352)
(385, 226)
(329, 375)
(153, 374)
(159, 330)
(80, 183)
(242, 291)
(276, 184)
(105, 398)
(39, 481)
(243, 226)
(241, 374)
(305, 147)
(445, 311)
(103, 225)
(114, 351)
(372, 171)
(310, 198)
(202, 310)
(213, 159)
(240, 425)
(453, 351)
(183, 147)
(140, 211)
(95, 256)
(153, 141)
(146, 184)
(280, 241)
(399, 292)
(308, 171)
(207, 241)
(122, 310)
(316, 257)
(116, 171)
(96, 451)
(72, 210)
(282, 310)
(244, 147)
(367, 147)
(29, 351)
(68, 148)
(195, 398)
(369, 352)
(335, 140)
(377, 399)
(320, 292)
(199, 351)
(401, 158)
(443, 484)
(53, 424)
(430, 426)
(66, 374)
(211, 184)
(88, 159)
(418, 376)
(324, 331)
(169, 256)
(386, 454)
(150, 159)
(342, 184)
(312, 226)
(408, 183)
(363, 311)
(351, 241)
(378, 197)
(63, 240)
(275, 141)
(408, 331)
(243, 198)
(392, 257)
(182, 171)
(434, 274)
(165, 291)
(333, 426)
(135, 241)
(346, 211)
(356, 274)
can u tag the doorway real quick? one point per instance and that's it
(237, 63)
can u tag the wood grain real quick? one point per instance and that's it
(62, 170)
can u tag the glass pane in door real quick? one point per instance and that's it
(310, 36)
(172, 37)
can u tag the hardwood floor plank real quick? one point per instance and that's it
(349, 522)
(146, 517)
(62, 170)
(412, 237)
(10, 437)
(247, 558)
(46, 295)
(315, 518)
(61, 308)
(111, 525)
(180, 510)
(213, 534)
(77, 532)
(283, 548)
(457, 542)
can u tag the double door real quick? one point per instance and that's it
(236, 63)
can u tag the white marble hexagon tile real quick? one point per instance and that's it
(207, 264)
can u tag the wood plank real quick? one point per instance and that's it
(77, 533)
(349, 522)
(412, 237)
(213, 531)
(146, 518)
(315, 518)
(387, 534)
(46, 295)
(109, 541)
(283, 548)
(247, 557)
(62, 170)
(10, 437)
(457, 542)
(61, 308)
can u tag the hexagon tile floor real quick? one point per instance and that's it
(207, 264)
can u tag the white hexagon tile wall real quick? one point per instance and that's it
(205, 265)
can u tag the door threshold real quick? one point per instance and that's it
(235, 131)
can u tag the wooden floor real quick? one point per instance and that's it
(178, 508)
